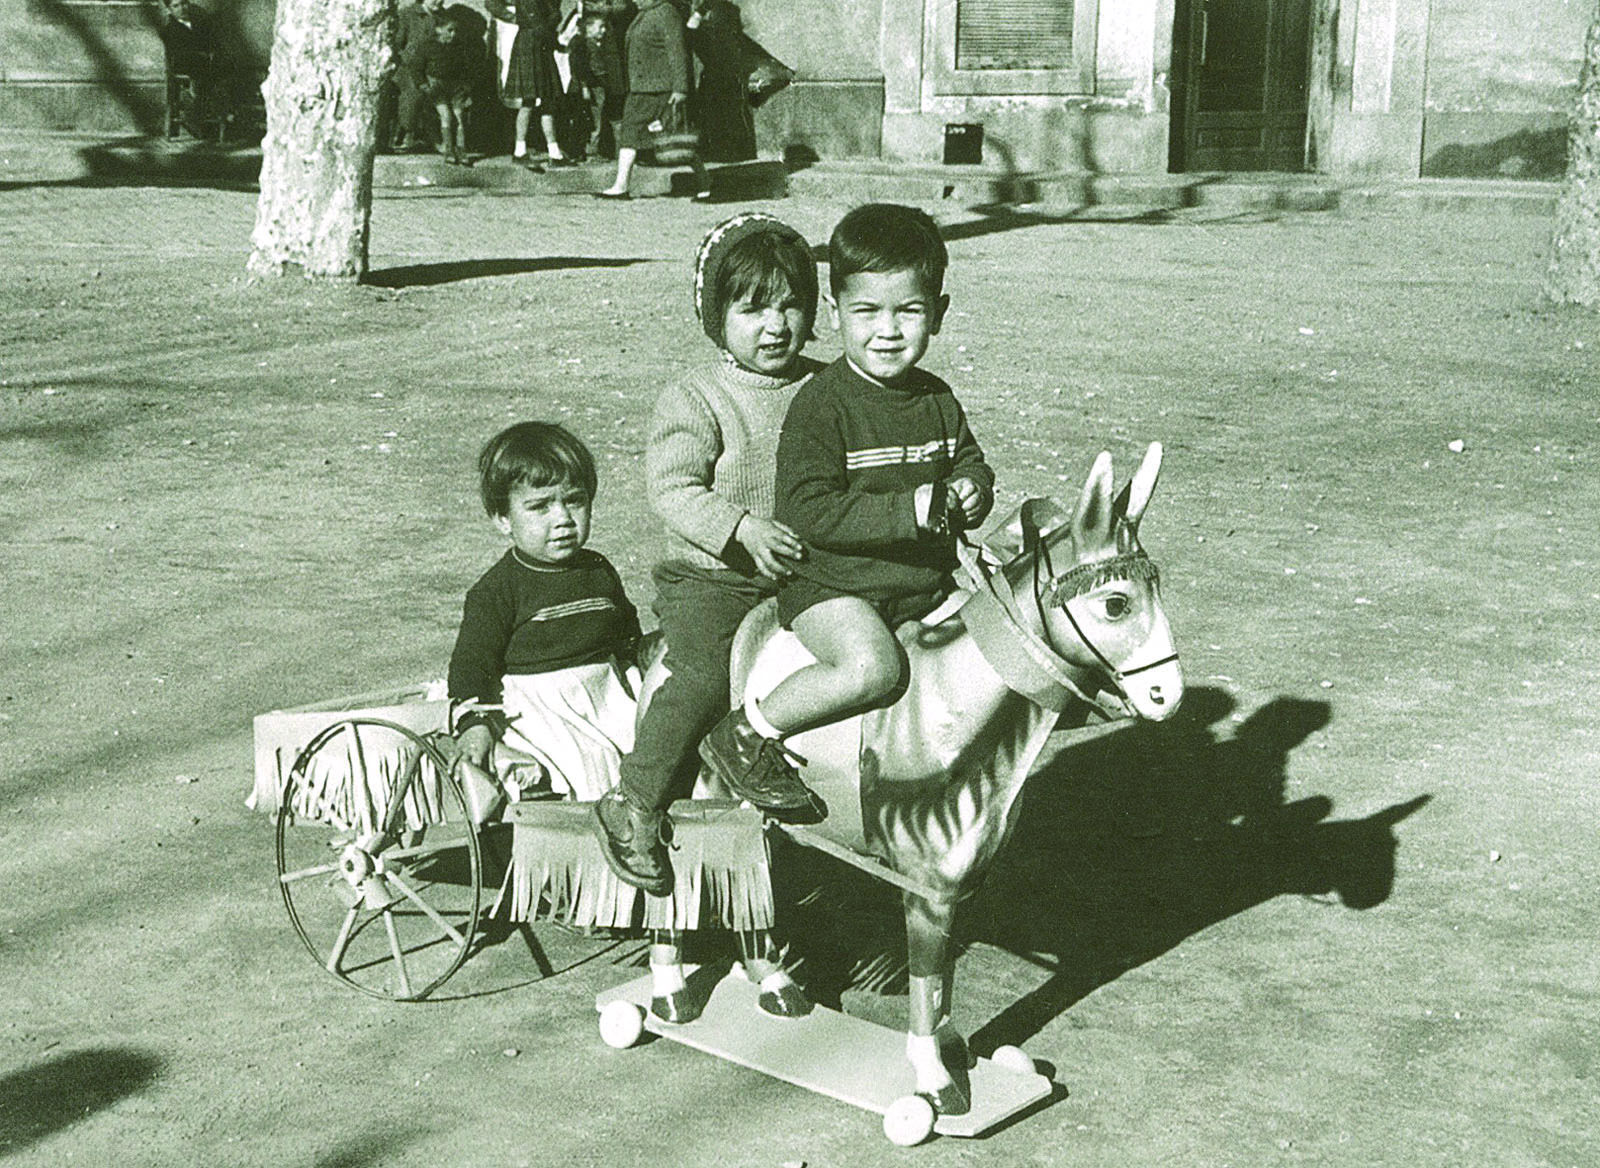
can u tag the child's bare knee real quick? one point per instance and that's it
(876, 671)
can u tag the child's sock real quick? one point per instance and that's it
(520, 150)
(763, 727)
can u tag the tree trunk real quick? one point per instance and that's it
(328, 59)
(1574, 275)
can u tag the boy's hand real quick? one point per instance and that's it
(969, 496)
(476, 742)
(772, 545)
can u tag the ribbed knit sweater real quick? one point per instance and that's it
(712, 455)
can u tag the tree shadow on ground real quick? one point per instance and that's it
(994, 218)
(38, 1101)
(451, 271)
(1124, 846)
(369, 1148)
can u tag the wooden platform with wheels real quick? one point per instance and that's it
(849, 1059)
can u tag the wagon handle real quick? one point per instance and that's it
(870, 865)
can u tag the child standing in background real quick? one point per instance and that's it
(526, 77)
(547, 635)
(603, 69)
(446, 67)
(710, 463)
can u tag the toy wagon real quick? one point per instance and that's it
(383, 843)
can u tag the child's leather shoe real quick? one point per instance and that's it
(633, 842)
(755, 769)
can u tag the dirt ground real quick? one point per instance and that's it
(1340, 911)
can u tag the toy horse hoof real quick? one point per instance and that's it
(787, 1001)
(677, 1007)
(951, 1099)
(909, 1120)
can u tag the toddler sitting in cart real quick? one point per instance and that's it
(544, 659)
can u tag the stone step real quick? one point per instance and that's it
(36, 156)
(502, 175)
(1501, 196)
(978, 186)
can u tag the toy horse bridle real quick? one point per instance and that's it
(1056, 591)
(1075, 581)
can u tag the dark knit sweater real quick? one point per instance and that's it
(523, 619)
(851, 456)
(658, 55)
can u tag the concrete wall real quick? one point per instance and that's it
(1107, 114)
(1476, 88)
(95, 65)
(834, 109)
(1501, 81)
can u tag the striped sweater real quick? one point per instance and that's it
(519, 618)
(852, 454)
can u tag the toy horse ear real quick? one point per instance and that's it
(1135, 497)
(1091, 521)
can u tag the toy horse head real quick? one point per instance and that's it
(1098, 593)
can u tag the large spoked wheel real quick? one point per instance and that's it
(378, 860)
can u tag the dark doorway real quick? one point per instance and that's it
(1240, 70)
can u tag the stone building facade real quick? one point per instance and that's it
(1368, 88)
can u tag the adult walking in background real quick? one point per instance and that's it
(722, 110)
(525, 75)
(660, 78)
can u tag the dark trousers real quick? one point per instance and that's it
(414, 107)
(699, 610)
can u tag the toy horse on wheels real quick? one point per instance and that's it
(924, 792)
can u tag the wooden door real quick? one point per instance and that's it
(1241, 71)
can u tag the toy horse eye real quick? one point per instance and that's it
(1116, 606)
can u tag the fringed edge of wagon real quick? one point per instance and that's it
(282, 735)
(557, 872)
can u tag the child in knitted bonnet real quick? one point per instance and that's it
(710, 460)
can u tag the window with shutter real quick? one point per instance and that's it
(1014, 34)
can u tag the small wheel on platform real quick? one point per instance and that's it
(378, 859)
(1014, 1058)
(621, 1024)
(909, 1120)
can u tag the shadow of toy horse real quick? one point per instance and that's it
(1125, 846)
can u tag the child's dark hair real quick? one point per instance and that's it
(534, 454)
(886, 237)
(768, 268)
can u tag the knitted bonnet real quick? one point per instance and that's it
(713, 253)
